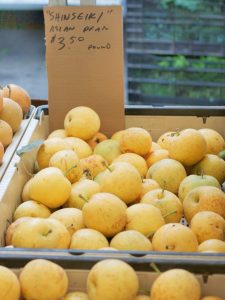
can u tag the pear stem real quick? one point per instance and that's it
(170, 213)
(108, 168)
(83, 198)
(106, 165)
(87, 173)
(202, 173)
(150, 234)
(47, 233)
(177, 132)
(155, 268)
(70, 169)
(163, 189)
(10, 90)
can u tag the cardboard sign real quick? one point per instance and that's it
(84, 55)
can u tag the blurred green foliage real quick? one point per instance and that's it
(201, 31)
(204, 6)
(187, 4)
(21, 19)
(181, 21)
(178, 75)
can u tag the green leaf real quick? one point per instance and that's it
(191, 5)
(180, 62)
(70, 169)
(167, 3)
(29, 147)
(164, 64)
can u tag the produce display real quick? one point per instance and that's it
(108, 279)
(14, 104)
(127, 192)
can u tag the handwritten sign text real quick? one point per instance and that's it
(76, 29)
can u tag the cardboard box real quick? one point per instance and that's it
(210, 285)
(157, 121)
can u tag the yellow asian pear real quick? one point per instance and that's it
(212, 245)
(31, 208)
(1, 153)
(123, 180)
(136, 160)
(76, 296)
(108, 149)
(112, 279)
(144, 218)
(88, 239)
(72, 218)
(96, 139)
(19, 95)
(58, 133)
(187, 146)
(50, 187)
(9, 285)
(147, 186)
(48, 148)
(118, 135)
(169, 173)
(105, 213)
(164, 140)
(169, 204)
(12, 114)
(26, 191)
(176, 284)
(212, 165)
(41, 233)
(1, 99)
(79, 146)
(100, 176)
(10, 230)
(6, 133)
(81, 192)
(93, 165)
(155, 146)
(212, 298)
(51, 278)
(69, 163)
(82, 122)
(214, 140)
(156, 155)
(131, 240)
(204, 198)
(208, 225)
(108, 249)
(193, 181)
(142, 297)
(175, 237)
(136, 140)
